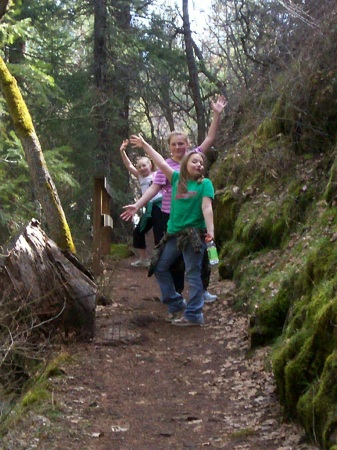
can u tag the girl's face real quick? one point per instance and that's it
(144, 167)
(178, 146)
(195, 166)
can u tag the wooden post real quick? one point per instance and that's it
(102, 222)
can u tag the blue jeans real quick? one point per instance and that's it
(171, 298)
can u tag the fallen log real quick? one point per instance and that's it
(49, 289)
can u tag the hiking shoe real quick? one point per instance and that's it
(185, 323)
(175, 315)
(141, 263)
(209, 298)
(172, 316)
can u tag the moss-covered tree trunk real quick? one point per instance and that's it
(44, 187)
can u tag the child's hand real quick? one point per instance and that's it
(209, 237)
(137, 140)
(219, 105)
(130, 211)
(124, 145)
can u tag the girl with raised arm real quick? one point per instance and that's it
(190, 225)
(143, 170)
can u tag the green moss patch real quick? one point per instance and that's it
(120, 251)
(37, 394)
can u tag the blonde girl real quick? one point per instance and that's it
(143, 170)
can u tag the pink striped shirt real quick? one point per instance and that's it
(166, 187)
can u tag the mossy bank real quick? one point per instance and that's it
(276, 229)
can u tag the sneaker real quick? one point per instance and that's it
(174, 316)
(141, 263)
(209, 298)
(185, 323)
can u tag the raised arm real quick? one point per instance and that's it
(127, 163)
(130, 210)
(217, 108)
(138, 141)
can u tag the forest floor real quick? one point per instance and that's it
(144, 384)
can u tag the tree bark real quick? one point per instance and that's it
(100, 53)
(45, 190)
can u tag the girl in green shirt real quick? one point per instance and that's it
(189, 227)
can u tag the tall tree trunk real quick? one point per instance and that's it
(165, 102)
(112, 88)
(112, 98)
(121, 73)
(100, 51)
(44, 187)
(100, 76)
(193, 75)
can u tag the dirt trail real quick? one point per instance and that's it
(144, 384)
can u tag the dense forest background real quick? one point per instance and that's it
(92, 72)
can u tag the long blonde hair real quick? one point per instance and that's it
(184, 175)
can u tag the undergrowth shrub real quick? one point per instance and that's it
(25, 344)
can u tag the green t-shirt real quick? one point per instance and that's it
(186, 210)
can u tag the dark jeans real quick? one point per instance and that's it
(177, 269)
(154, 222)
